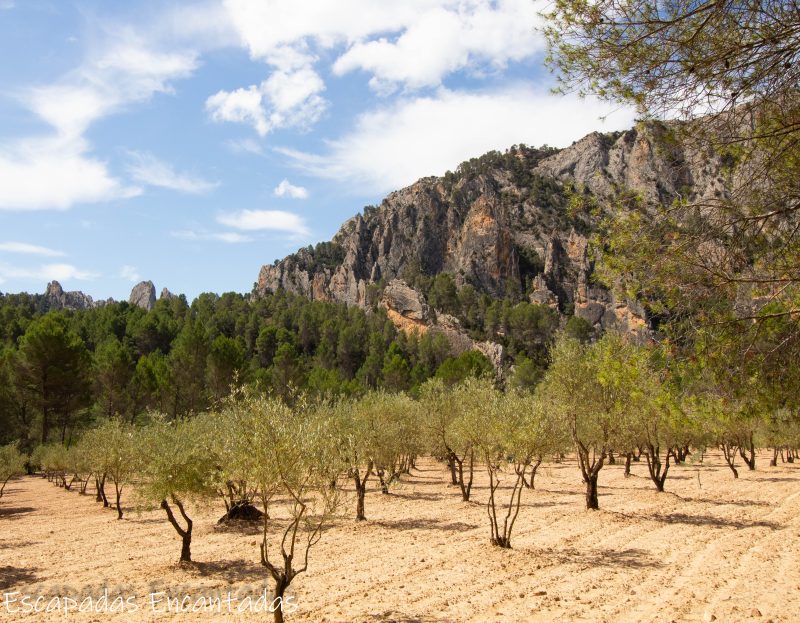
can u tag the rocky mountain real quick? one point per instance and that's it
(143, 295)
(513, 222)
(56, 298)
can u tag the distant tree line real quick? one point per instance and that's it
(60, 371)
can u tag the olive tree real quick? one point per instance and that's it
(569, 387)
(537, 435)
(733, 429)
(593, 390)
(441, 406)
(178, 465)
(438, 412)
(654, 421)
(353, 427)
(12, 463)
(394, 434)
(113, 452)
(36, 460)
(76, 468)
(291, 456)
(782, 434)
(81, 463)
(54, 461)
(238, 495)
(510, 432)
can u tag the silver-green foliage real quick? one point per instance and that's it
(291, 457)
(12, 463)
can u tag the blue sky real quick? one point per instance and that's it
(190, 143)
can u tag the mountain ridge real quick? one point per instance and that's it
(517, 222)
(142, 295)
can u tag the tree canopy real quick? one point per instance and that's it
(724, 75)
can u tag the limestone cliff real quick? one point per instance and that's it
(56, 298)
(505, 222)
(143, 295)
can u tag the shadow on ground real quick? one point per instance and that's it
(14, 512)
(416, 495)
(716, 522)
(702, 500)
(398, 617)
(240, 526)
(425, 524)
(631, 558)
(14, 543)
(14, 577)
(229, 570)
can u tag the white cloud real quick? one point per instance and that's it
(6, 5)
(125, 72)
(414, 43)
(129, 71)
(284, 100)
(147, 169)
(294, 98)
(445, 39)
(225, 236)
(239, 106)
(29, 249)
(231, 237)
(255, 220)
(129, 273)
(46, 272)
(204, 23)
(393, 146)
(56, 171)
(278, 32)
(245, 146)
(286, 189)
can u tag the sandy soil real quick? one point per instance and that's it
(709, 547)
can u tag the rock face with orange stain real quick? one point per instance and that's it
(405, 307)
(504, 223)
(410, 313)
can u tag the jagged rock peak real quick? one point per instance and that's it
(143, 295)
(167, 295)
(56, 298)
(54, 290)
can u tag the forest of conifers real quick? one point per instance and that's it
(64, 371)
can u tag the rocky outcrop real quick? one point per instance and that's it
(420, 226)
(143, 295)
(495, 353)
(514, 221)
(541, 294)
(56, 298)
(450, 327)
(166, 295)
(405, 307)
(646, 160)
(409, 312)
